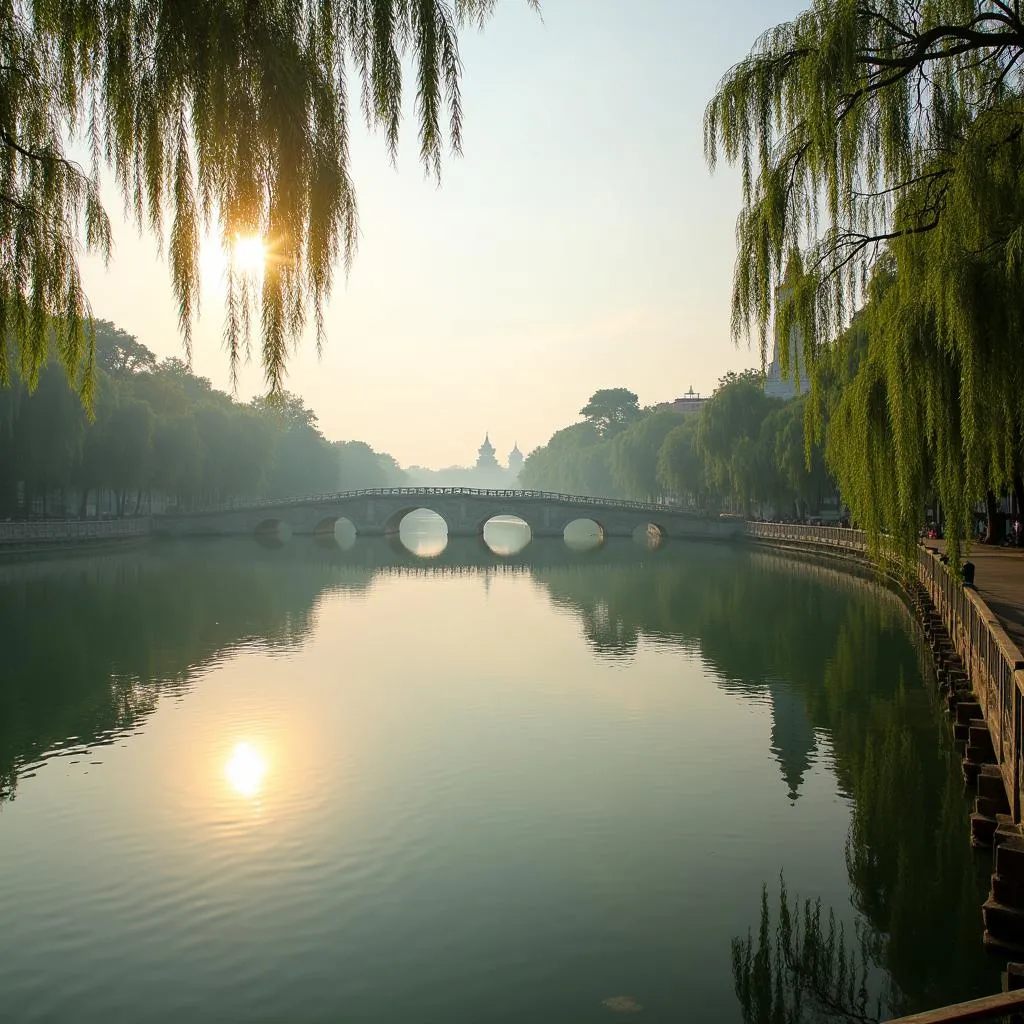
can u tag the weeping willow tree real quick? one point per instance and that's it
(937, 403)
(233, 117)
(891, 128)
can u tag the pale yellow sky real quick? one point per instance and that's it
(579, 243)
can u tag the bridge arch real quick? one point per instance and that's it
(583, 534)
(335, 530)
(505, 534)
(423, 530)
(273, 531)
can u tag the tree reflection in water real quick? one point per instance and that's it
(135, 625)
(767, 625)
(805, 968)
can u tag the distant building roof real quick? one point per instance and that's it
(690, 402)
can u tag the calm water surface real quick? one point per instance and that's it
(311, 784)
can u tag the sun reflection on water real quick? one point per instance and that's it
(245, 770)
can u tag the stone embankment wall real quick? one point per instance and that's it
(22, 538)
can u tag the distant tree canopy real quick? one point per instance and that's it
(158, 429)
(611, 409)
(743, 450)
(882, 151)
(232, 115)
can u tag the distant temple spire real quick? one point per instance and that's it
(485, 454)
(515, 460)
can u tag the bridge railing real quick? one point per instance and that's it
(52, 530)
(504, 494)
(825, 536)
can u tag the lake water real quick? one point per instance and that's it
(247, 783)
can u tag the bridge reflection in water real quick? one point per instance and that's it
(505, 541)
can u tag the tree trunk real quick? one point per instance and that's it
(991, 517)
(83, 504)
(138, 501)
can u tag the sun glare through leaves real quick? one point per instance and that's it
(247, 256)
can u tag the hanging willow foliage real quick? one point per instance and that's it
(233, 114)
(937, 405)
(890, 128)
(839, 115)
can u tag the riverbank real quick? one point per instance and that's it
(51, 536)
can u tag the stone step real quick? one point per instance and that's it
(1003, 922)
(990, 806)
(1007, 892)
(979, 753)
(956, 697)
(979, 744)
(991, 787)
(1000, 947)
(968, 711)
(1010, 859)
(982, 829)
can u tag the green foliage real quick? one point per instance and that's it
(634, 454)
(362, 467)
(935, 405)
(232, 115)
(743, 448)
(843, 114)
(610, 410)
(680, 470)
(727, 437)
(157, 428)
(891, 136)
(577, 460)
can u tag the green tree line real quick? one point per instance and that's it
(742, 451)
(160, 431)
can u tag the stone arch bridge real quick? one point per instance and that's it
(465, 511)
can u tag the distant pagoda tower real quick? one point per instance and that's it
(485, 455)
(515, 460)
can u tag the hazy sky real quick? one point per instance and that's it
(579, 243)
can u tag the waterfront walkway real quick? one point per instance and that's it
(999, 580)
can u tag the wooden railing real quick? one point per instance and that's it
(44, 531)
(988, 1008)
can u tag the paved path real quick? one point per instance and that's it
(999, 579)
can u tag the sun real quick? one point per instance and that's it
(248, 254)
(245, 770)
